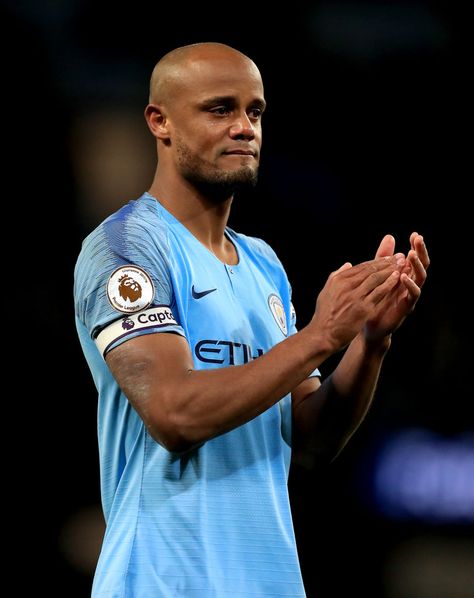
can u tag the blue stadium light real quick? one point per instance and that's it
(421, 476)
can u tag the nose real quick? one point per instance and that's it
(242, 128)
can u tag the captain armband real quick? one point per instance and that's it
(154, 317)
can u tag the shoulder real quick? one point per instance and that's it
(136, 234)
(133, 224)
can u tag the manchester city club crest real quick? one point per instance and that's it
(278, 311)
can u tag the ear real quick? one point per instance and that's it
(157, 121)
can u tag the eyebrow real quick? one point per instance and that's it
(231, 101)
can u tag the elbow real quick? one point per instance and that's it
(172, 439)
(174, 433)
(312, 460)
(317, 455)
(175, 442)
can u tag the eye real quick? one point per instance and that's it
(220, 110)
(256, 113)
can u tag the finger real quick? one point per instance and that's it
(378, 278)
(391, 300)
(348, 272)
(380, 292)
(413, 291)
(420, 247)
(417, 243)
(381, 264)
(365, 277)
(418, 272)
(386, 247)
(413, 236)
(344, 266)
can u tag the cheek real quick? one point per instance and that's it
(199, 139)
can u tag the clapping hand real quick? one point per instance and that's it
(401, 301)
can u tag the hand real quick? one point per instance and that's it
(395, 306)
(350, 295)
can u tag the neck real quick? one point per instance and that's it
(205, 217)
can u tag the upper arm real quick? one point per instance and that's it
(124, 297)
(149, 369)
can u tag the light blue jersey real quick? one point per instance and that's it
(215, 522)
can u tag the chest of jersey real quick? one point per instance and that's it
(230, 314)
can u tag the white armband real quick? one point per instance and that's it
(154, 317)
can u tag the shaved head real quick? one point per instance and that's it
(169, 73)
(205, 109)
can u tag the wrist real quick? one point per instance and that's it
(319, 345)
(378, 346)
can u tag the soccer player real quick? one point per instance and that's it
(206, 389)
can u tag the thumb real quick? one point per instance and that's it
(386, 247)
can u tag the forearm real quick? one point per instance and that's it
(211, 402)
(183, 407)
(325, 420)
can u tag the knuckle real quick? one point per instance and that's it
(375, 277)
(374, 267)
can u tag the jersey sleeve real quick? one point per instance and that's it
(122, 282)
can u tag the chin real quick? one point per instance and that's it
(223, 185)
(243, 175)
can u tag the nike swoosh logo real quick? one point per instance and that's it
(200, 294)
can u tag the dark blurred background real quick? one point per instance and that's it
(368, 112)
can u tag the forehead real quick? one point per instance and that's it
(226, 75)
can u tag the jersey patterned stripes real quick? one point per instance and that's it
(215, 522)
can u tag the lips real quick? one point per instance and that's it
(239, 152)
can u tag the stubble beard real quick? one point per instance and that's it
(216, 184)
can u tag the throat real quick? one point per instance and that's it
(226, 252)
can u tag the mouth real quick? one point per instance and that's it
(240, 152)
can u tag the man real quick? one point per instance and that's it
(205, 386)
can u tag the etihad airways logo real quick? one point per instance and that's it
(225, 352)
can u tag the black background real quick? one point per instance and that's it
(361, 138)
